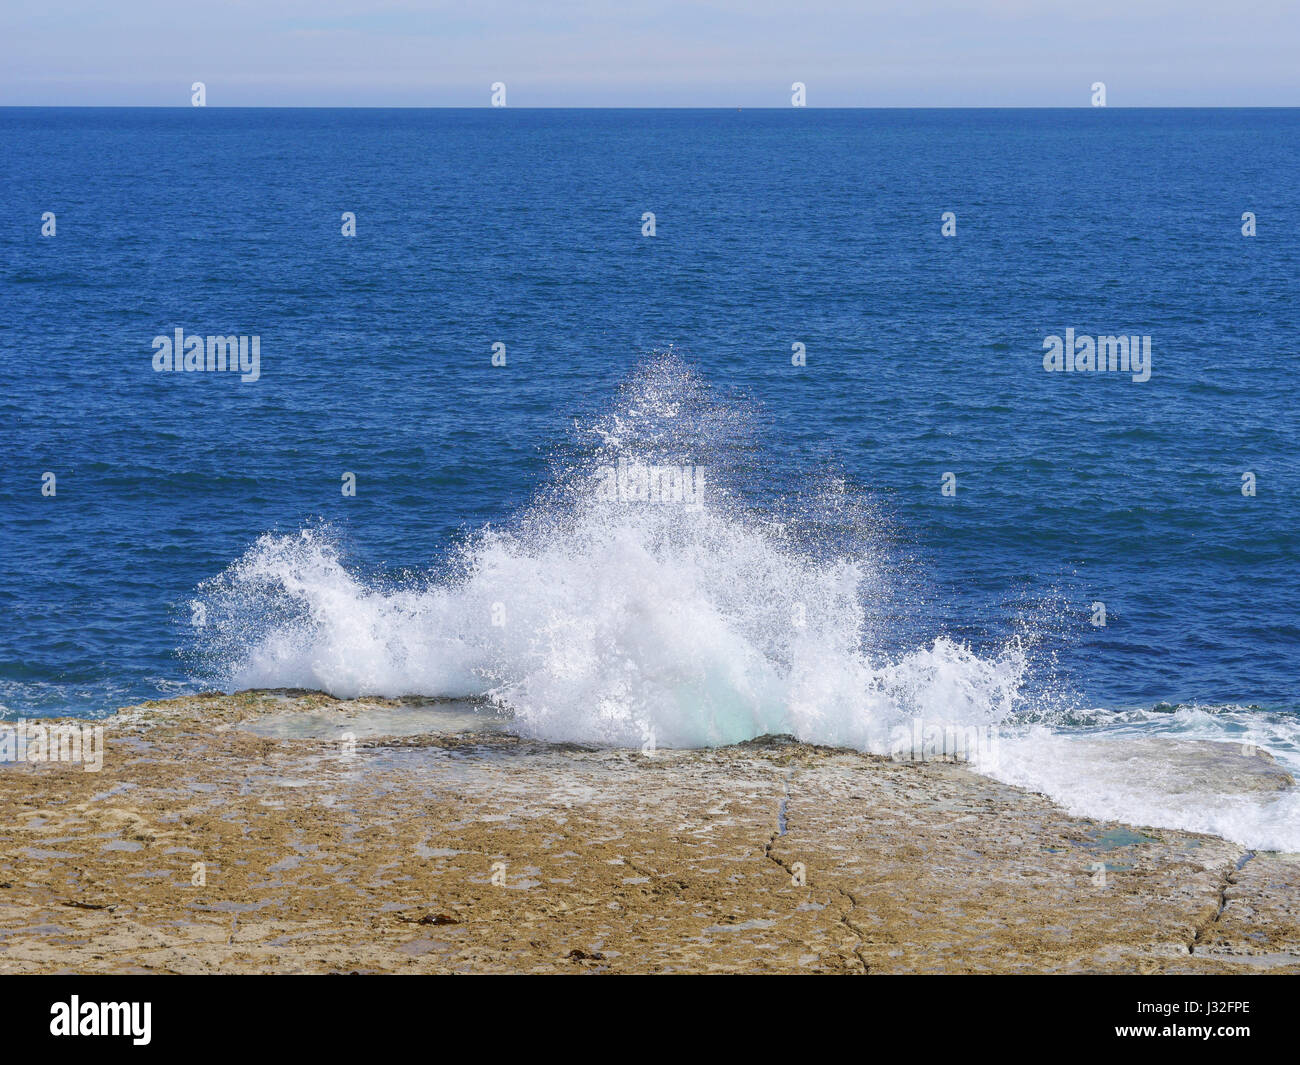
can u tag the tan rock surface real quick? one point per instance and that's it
(766, 857)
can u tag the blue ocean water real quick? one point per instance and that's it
(772, 228)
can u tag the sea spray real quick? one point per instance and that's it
(768, 603)
(709, 618)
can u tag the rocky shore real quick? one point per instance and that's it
(292, 832)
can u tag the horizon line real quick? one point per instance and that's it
(645, 107)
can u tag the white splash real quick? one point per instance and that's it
(606, 618)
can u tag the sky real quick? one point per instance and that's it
(650, 53)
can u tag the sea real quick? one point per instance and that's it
(671, 427)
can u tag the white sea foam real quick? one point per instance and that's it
(598, 618)
(1130, 770)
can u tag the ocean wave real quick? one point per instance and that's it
(638, 595)
(643, 596)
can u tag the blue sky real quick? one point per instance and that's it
(647, 53)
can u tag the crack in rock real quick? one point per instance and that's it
(1229, 880)
(844, 920)
(782, 827)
